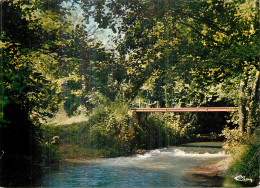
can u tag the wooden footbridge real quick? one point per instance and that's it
(198, 109)
(139, 115)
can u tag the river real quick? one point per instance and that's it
(166, 167)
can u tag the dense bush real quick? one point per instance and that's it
(109, 122)
(234, 139)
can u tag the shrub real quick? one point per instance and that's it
(234, 140)
(110, 124)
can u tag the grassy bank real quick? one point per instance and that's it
(245, 155)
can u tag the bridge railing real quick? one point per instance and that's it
(191, 109)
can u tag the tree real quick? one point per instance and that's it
(198, 50)
(30, 71)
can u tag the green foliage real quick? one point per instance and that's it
(157, 130)
(29, 87)
(246, 159)
(110, 123)
(110, 130)
(234, 139)
(172, 54)
(196, 50)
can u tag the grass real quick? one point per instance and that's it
(246, 159)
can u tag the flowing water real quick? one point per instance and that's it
(157, 168)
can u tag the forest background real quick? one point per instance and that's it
(171, 53)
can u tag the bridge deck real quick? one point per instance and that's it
(199, 109)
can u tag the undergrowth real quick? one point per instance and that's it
(110, 131)
(245, 154)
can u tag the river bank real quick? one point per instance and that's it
(216, 170)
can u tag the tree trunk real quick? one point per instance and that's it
(253, 99)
